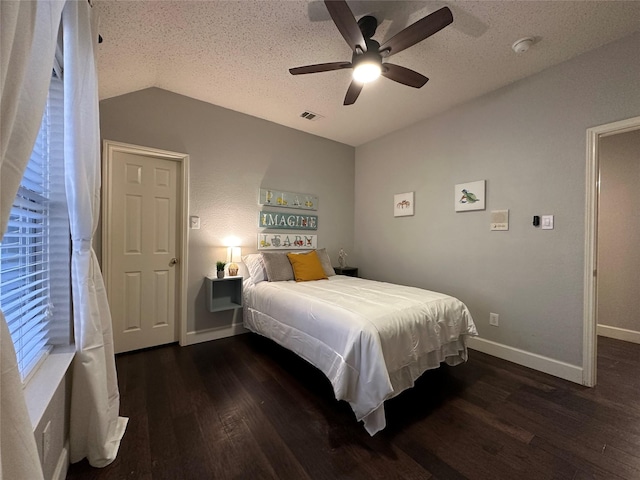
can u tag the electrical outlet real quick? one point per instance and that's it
(494, 319)
(46, 441)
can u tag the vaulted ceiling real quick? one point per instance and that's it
(236, 54)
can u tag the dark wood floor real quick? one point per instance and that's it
(244, 408)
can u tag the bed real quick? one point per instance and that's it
(371, 339)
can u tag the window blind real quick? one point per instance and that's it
(25, 250)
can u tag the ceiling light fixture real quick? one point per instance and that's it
(366, 72)
(367, 66)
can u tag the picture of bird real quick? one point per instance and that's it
(468, 197)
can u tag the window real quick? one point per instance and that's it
(34, 252)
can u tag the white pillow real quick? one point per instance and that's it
(255, 265)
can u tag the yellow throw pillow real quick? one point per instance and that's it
(306, 266)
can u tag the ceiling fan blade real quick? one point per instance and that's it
(320, 67)
(352, 93)
(403, 75)
(346, 23)
(417, 32)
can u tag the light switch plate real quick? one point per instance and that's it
(194, 222)
(546, 222)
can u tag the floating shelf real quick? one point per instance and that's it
(224, 293)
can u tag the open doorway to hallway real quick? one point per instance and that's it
(612, 231)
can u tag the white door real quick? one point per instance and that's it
(143, 242)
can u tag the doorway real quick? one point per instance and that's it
(144, 244)
(594, 136)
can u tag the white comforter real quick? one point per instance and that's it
(371, 339)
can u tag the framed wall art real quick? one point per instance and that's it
(290, 221)
(403, 204)
(286, 241)
(278, 198)
(469, 196)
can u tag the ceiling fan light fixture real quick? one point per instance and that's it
(367, 72)
(366, 60)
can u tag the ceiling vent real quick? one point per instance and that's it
(311, 116)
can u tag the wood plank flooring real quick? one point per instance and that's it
(244, 408)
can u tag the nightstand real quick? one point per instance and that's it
(349, 271)
(224, 293)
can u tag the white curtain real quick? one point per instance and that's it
(28, 34)
(96, 428)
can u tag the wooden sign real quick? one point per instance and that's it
(278, 198)
(290, 221)
(286, 241)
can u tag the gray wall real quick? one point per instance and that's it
(232, 155)
(527, 141)
(619, 232)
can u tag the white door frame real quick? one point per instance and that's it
(589, 342)
(109, 147)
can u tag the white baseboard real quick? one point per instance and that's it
(62, 467)
(215, 333)
(619, 333)
(548, 365)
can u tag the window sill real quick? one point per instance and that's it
(40, 389)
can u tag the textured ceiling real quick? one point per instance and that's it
(236, 54)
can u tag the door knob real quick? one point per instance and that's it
(173, 261)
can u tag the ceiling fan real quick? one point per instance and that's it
(368, 54)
